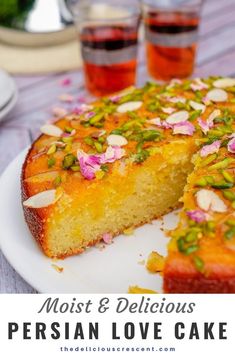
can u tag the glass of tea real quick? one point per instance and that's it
(108, 35)
(171, 34)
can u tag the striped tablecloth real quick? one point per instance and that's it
(39, 94)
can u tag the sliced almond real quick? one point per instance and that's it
(168, 110)
(43, 177)
(224, 82)
(213, 116)
(129, 107)
(217, 95)
(178, 117)
(51, 130)
(42, 199)
(197, 106)
(209, 200)
(116, 140)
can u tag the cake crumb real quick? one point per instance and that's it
(141, 262)
(155, 262)
(57, 268)
(139, 290)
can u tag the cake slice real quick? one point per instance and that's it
(201, 253)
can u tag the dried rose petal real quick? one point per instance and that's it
(203, 125)
(107, 238)
(89, 164)
(59, 112)
(112, 154)
(210, 149)
(81, 109)
(231, 145)
(184, 128)
(197, 215)
(198, 85)
(173, 82)
(66, 81)
(160, 123)
(115, 99)
(69, 134)
(209, 123)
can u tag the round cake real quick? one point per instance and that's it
(127, 159)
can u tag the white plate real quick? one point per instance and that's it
(7, 88)
(10, 105)
(111, 270)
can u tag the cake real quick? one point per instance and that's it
(127, 159)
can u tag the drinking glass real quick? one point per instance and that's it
(171, 34)
(108, 35)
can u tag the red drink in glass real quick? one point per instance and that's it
(109, 55)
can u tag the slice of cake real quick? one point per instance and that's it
(124, 161)
(201, 255)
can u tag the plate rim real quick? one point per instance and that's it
(11, 103)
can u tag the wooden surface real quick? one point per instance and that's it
(38, 95)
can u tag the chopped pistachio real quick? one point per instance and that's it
(68, 147)
(229, 195)
(75, 168)
(141, 156)
(133, 115)
(210, 225)
(208, 159)
(96, 118)
(98, 146)
(230, 222)
(52, 149)
(105, 168)
(222, 185)
(68, 129)
(191, 249)
(194, 115)
(199, 263)
(67, 139)
(191, 236)
(57, 181)
(150, 135)
(68, 161)
(51, 162)
(89, 140)
(230, 233)
(201, 182)
(227, 176)
(181, 244)
(210, 179)
(222, 164)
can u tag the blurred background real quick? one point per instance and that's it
(49, 66)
